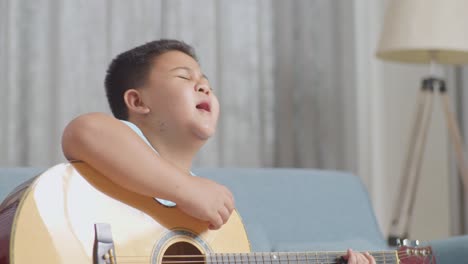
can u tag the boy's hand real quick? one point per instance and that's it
(359, 258)
(206, 200)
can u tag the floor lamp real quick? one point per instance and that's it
(431, 32)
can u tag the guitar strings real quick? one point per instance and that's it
(297, 256)
(288, 254)
(314, 261)
(262, 255)
(379, 256)
(378, 261)
(322, 260)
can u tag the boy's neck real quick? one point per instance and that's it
(178, 152)
(182, 158)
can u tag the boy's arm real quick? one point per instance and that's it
(117, 152)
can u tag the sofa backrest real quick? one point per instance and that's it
(12, 177)
(302, 209)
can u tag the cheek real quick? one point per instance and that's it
(182, 103)
(170, 106)
(217, 107)
(178, 97)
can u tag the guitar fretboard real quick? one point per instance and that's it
(381, 257)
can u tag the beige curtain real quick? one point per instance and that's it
(282, 70)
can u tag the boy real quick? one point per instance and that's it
(164, 110)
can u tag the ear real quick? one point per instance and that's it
(134, 101)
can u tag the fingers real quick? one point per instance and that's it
(352, 259)
(223, 212)
(222, 216)
(208, 201)
(358, 258)
(216, 222)
(369, 257)
(229, 203)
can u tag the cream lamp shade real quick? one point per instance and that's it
(425, 31)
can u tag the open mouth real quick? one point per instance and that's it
(204, 106)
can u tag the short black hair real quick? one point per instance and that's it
(130, 69)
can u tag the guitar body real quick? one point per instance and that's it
(52, 220)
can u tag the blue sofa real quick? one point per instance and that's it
(296, 210)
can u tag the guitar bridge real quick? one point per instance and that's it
(103, 250)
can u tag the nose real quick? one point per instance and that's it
(203, 89)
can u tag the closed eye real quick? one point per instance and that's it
(184, 77)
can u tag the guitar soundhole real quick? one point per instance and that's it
(183, 253)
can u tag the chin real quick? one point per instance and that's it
(204, 133)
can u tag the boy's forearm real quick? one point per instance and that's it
(113, 149)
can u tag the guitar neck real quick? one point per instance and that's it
(327, 257)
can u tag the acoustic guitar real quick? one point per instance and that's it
(72, 214)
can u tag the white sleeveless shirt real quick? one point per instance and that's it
(142, 136)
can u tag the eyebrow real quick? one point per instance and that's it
(187, 69)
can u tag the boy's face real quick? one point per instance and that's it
(180, 97)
